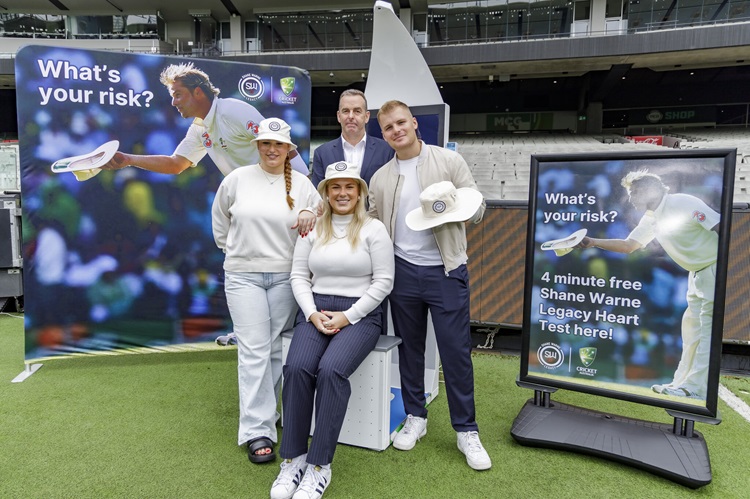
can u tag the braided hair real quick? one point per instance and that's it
(288, 181)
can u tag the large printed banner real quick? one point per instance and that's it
(126, 259)
(626, 270)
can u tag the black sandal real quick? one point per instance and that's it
(260, 443)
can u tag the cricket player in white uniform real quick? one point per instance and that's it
(221, 128)
(687, 229)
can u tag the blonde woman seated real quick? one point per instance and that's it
(341, 272)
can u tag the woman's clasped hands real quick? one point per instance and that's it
(329, 322)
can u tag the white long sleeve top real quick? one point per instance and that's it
(252, 222)
(334, 269)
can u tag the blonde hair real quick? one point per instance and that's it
(288, 182)
(390, 105)
(643, 176)
(324, 227)
(190, 76)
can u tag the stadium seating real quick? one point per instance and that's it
(501, 163)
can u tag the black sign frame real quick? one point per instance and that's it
(686, 170)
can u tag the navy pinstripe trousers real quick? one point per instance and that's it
(317, 362)
(417, 289)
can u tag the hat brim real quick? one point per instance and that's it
(468, 201)
(276, 137)
(566, 244)
(87, 162)
(363, 190)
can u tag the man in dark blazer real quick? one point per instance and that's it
(354, 145)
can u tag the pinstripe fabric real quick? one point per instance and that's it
(321, 363)
(415, 290)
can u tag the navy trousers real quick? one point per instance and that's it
(317, 362)
(417, 289)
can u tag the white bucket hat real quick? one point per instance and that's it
(275, 129)
(342, 169)
(565, 245)
(87, 165)
(442, 203)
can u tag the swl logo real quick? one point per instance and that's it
(251, 87)
(550, 355)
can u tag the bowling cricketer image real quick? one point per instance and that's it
(687, 229)
(222, 128)
(626, 274)
(121, 155)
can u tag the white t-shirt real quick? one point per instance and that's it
(225, 134)
(252, 221)
(334, 269)
(682, 224)
(416, 247)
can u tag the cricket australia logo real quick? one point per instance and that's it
(587, 355)
(287, 85)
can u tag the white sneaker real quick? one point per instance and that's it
(290, 476)
(314, 483)
(414, 429)
(476, 456)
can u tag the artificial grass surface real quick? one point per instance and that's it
(739, 386)
(165, 426)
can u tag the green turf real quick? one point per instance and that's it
(164, 426)
(740, 386)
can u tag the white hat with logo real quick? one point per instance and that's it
(87, 165)
(342, 169)
(565, 245)
(442, 203)
(275, 129)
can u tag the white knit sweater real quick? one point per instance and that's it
(252, 221)
(334, 269)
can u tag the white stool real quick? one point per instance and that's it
(368, 415)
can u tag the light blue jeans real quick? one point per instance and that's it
(262, 307)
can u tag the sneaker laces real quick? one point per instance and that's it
(473, 444)
(289, 470)
(410, 426)
(312, 480)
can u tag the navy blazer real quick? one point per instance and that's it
(377, 153)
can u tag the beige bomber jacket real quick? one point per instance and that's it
(435, 164)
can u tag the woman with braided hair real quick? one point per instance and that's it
(258, 213)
